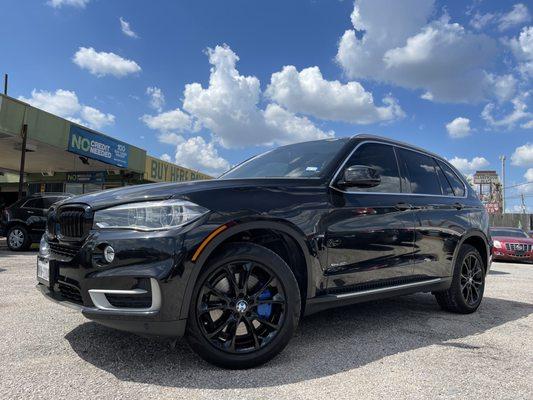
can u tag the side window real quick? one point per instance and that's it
(33, 203)
(382, 158)
(422, 173)
(444, 184)
(457, 185)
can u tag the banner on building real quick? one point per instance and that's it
(97, 147)
(163, 171)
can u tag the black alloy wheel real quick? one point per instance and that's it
(242, 306)
(468, 283)
(246, 307)
(471, 279)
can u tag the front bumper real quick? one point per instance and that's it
(147, 267)
(503, 254)
(120, 320)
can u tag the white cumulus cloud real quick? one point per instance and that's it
(229, 108)
(459, 127)
(518, 114)
(522, 47)
(309, 93)
(468, 167)
(196, 153)
(518, 15)
(96, 118)
(61, 3)
(65, 103)
(529, 175)
(397, 43)
(157, 98)
(169, 121)
(102, 63)
(523, 155)
(126, 28)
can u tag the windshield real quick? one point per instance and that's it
(508, 232)
(300, 160)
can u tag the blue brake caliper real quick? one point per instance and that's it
(264, 310)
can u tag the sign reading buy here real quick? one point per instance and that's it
(86, 143)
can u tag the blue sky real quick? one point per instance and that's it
(238, 77)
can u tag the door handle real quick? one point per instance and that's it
(458, 206)
(403, 206)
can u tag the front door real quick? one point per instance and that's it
(370, 231)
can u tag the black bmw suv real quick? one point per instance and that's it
(233, 263)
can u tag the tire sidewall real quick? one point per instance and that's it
(269, 260)
(465, 251)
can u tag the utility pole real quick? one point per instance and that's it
(24, 134)
(523, 205)
(5, 84)
(502, 159)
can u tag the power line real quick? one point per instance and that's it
(518, 184)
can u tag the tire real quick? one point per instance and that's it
(245, 322)
(468, 283)
(18, 238)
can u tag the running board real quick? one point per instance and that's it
(331, 300)
(385, 289)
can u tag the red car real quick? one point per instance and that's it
(512, 244)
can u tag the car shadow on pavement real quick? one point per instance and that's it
(325, 344)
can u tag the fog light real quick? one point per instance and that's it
(109, 254)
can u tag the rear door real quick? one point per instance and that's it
(441, 216)
(32, 212)
(370, 231)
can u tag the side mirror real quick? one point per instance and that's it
(360, 176)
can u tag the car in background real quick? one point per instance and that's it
(24, 222)
(511, 244)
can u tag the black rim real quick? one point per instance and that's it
(241, 307)
(471, 279)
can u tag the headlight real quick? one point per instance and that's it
(497, 244)
(148, 215)
(44, 248)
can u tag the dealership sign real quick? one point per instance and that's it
(163, 171)
(485, 177)
(91, 145)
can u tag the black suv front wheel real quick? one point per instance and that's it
(245, 308)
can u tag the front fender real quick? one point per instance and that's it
(197, 266)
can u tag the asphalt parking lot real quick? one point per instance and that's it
(399, 348)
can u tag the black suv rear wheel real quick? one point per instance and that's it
(466, 291)
(18, 238)
(245, 307)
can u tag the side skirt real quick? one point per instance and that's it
(326, 301)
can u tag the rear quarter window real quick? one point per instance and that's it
(456, 183)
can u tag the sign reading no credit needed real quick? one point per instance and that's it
(91, 145)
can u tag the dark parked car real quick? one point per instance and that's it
(233, 263)
(24, 222)
(511, 244)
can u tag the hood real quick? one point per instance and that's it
(512, 239)
(161, 191)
